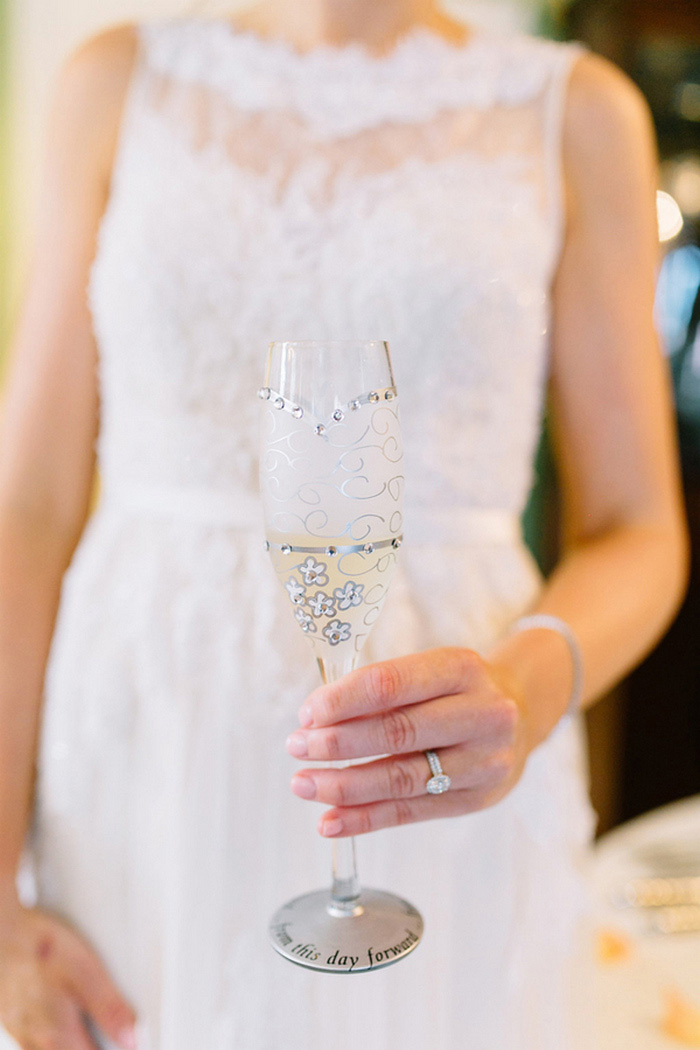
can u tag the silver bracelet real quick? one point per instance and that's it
(554, 623)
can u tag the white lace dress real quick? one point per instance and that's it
(261, 194)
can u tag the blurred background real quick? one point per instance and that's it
(644, 738)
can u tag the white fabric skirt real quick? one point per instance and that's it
(166, 832)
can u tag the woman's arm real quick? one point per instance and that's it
(49, 425)
(625, 565)
(624, 570)
(49, 419)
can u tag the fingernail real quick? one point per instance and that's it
(303, 786)
(305, 716)
(329, 828)
(127, 1039)
(297, 746)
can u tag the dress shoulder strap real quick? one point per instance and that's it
(160, 48)
(564, 58)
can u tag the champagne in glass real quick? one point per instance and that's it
(332, 484)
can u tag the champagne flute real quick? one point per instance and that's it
(332, 489)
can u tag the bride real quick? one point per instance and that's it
(333, 169)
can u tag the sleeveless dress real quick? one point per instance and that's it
(262, 194)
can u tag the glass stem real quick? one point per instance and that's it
(345, 891)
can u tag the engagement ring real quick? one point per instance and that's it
(439, 781)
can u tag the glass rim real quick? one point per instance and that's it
(310, 344)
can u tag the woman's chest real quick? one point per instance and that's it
(203, 260)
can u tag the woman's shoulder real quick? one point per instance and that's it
(104, 60)
(91, 89)
(610, 163)
(603, 102)
(607, 121)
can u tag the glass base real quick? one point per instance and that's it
(380, 930)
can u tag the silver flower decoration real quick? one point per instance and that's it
(337, 632)
(349, 595)
(305, 622)
(295, 591)
(313, 573)
(322, 604)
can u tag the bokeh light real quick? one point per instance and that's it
(669, 215)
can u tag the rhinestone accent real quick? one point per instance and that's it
(267, 545)
(319, 429)
(351, 548)
(438, 785)
(266, 393)
(396, 543)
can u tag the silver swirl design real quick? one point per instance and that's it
(332, 492)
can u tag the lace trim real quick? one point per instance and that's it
(342, 91)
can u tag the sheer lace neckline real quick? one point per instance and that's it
(419, 34)
(339, 91)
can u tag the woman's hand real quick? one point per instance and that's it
(448, 700)
(50, 978)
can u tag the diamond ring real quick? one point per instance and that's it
(439, 781)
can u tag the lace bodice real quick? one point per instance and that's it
(263, 194)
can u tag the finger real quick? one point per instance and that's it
(98, 995)
(56, 1025)
(400, 778)
(74, 1033)
(393, 683)
(342, 823)
(435, 723)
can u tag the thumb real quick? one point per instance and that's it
(99, 996)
